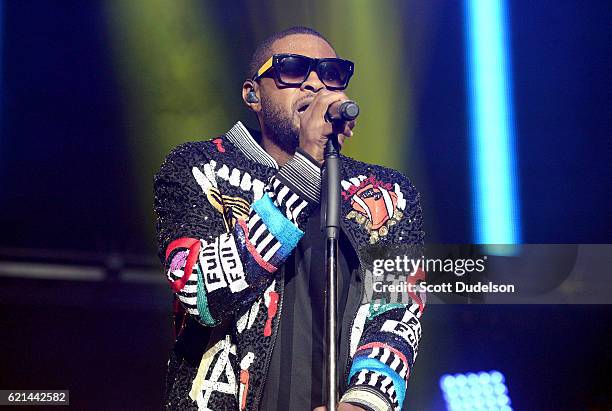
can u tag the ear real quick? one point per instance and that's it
(250, 86)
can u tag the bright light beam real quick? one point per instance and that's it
(476, 391)
(496, 215)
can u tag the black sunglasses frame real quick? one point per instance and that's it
(313, 63)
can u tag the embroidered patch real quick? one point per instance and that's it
(219, 143)
(211, 266)
(246, 321)
(231, 208)
(381, 371)
(271, 301)
(376, 205)
(358, 326)
(179, 260)
(245, 363)
(193, 245)
(409, 328)
(221, 265)
(215, 373)
(419, 297)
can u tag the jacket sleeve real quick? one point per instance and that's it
(384, 354)
(217, 258)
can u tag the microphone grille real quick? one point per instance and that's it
(349, 110)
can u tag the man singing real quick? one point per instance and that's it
(239, 235)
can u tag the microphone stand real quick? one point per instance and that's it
(330, 224)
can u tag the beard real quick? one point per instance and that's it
(279, 123)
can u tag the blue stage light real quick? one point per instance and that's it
(496, 205)
(460, 380)
(456, 405)
(497, 377)
(475, 391)
(447, 381)
(487, 390)
(483, 377)
(499, 388)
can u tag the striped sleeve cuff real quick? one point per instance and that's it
(295, 207)
(383, 369)
(366, 398)
(302, 174)
(271, 236)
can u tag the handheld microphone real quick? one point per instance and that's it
(346, 110)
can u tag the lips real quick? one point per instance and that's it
(302, 105)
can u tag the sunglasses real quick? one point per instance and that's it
(294, 69)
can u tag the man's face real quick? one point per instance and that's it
(282, 106)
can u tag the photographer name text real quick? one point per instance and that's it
(455, 287)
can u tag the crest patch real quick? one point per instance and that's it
(376, 205)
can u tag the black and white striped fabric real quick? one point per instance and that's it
(378, 381)
(302, 174)
(240, 136)
(188, 295)
(287, 200)
(388, 357)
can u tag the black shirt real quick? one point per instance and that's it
(296, 376)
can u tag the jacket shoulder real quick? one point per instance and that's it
(193, 151)
(382, 200)
(359, 169)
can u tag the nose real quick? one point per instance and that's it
(312, 83)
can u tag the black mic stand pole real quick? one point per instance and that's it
(330, 223)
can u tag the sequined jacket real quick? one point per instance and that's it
(228, 217)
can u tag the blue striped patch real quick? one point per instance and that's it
(278, 225)
(371, 364)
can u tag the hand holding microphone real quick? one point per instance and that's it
(344, 110)
(328, 113)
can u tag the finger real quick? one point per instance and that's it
(338, 126)
(321, 408)
(348, 130)
(342, 95)
(342, 128)
(316, 101)
(328, 128)
(322, 102)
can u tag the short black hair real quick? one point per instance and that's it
(262, 52)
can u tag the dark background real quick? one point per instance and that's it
(69, 194)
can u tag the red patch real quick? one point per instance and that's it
(347, 194)
(193, 245)
(414, 279)
(244, 379)
(272, 309)
(375, 207)
(218, 142)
